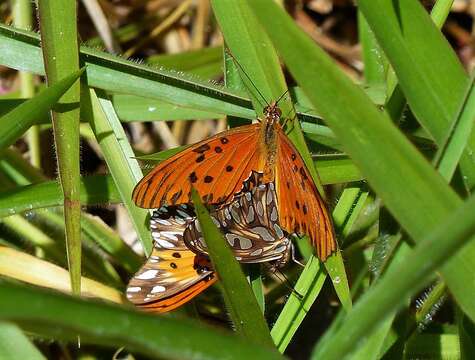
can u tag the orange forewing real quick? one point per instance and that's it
(215, 167)
(301, 208)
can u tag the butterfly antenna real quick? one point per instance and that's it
(281, 276)
(248, 78)
(281, 96)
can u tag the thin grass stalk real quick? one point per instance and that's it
(61, 58)
(22, 19)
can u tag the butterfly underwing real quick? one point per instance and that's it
(179, 269)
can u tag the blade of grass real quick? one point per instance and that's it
(400, 282)
(21, 266)
(95, 190)
(61, 58)
(100, 323)
(119, 157)
(15, 345)
(22, 117)
(20, 50)
(263, 76)
(135, 108)
(241, 302)
(312, 279)
(22, 18)
(429, 72)
(113, 73)
(449, 154)
(375, 145)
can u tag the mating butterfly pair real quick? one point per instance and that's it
(218, 168)
(178, 268)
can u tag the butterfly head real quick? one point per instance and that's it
(272, 113)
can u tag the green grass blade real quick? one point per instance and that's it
(449, 153)
(155, 336)
(309, 284)
(59, 39)
(261, 72)
(205, 62)
(429, 72)
(241, 302)
(119, 157)
(15, 345)
(135, 108)
(22, 117)
(375, 145)
(400, 282)
(312, 278)
(95, 190)
(115, 74)
(431, 76)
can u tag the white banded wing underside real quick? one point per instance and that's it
(250, 224)
(171, 268)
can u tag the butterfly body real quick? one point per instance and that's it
(217, 168)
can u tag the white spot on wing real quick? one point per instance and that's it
(216, 222)
(163, 222)
(269, 197)
(273, 214)
(147, 275)
(158, 288)
(250, 215)
(164, 244)
(256, 252)
(260, 208)
(134, 289)
(227, 214)
(263, 233)
(278, 231)
(169, 235)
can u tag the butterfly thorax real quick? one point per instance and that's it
(268, 143)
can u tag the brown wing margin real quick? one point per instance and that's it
(216, 167)
(301, 208)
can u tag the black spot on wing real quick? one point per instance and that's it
(201, 149)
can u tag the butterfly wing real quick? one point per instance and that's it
(215, 167)
(301, 208)
(250, 224)
(172, 274)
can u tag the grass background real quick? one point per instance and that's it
(385, 111)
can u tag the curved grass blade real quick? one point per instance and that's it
(374, 144)
(400, 282)
(98, 323)
(20, 50)
(263, 76)
(241, 302)
(21, 266)
(119, 157)
(95, 190)
(313, 277)
(22, 117)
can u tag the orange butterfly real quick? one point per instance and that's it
(173, 274)
(217, 167)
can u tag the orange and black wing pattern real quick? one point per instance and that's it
(301, 208)
(173, 274)
(215, 167)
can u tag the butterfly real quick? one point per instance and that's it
(178, 268)
(218, 166)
